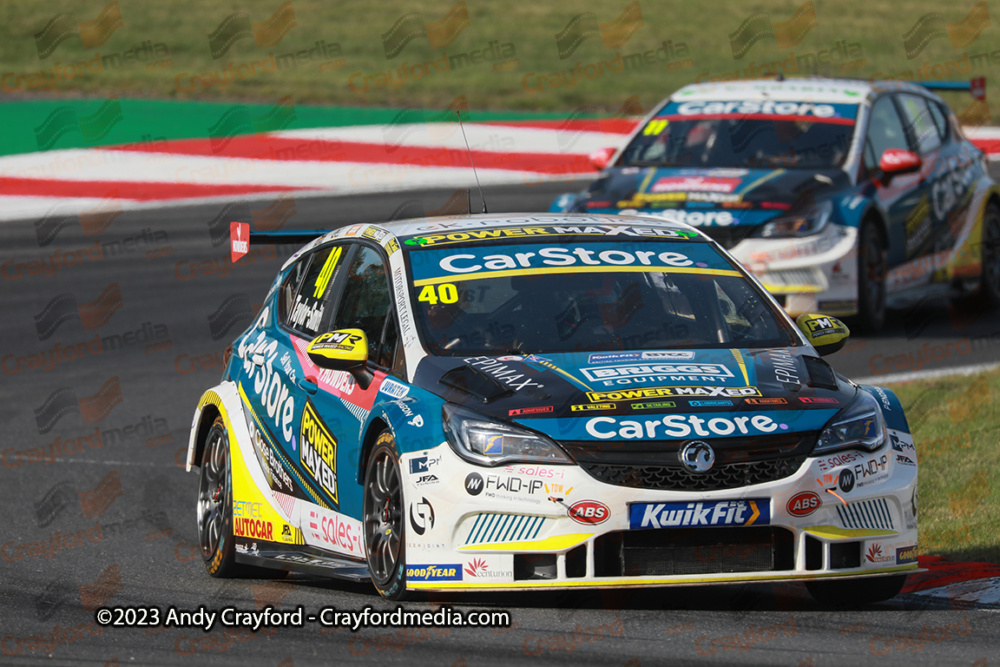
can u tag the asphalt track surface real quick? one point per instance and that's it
(98, 510)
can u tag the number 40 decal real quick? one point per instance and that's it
(446, 293)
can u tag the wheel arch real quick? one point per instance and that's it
(206, 418)
(375, 428)
(874, 214)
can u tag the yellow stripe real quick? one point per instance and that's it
(792, 289)
(763, 179)
(836, 533)
(555, 543)
(743, 365)
(608, 583)
(574, 269)
(263, 434)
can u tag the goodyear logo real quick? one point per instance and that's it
(661, 392)
(318, 451)
(906, 555)
(434, 573)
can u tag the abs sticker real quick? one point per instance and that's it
(589, 512)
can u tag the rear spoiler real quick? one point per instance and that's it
(976, 87)
(241, 237)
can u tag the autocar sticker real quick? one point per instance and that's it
(278, 461)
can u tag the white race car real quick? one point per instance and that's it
(547, 401)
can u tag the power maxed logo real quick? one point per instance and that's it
(318, 453)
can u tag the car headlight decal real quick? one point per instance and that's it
(804, 223)
(483, 441)
(858, 426)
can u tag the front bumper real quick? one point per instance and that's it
(510, 527)
(811, 274)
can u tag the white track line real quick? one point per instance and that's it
(897, 378)
(482, 137)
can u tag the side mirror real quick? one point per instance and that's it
(342, 350)
(895, 161)
(826, 334)
(601, 158)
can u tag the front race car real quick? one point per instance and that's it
(639, 414)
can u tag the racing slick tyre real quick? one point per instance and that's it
(384, 519)
(855, 592)
(215, 504)
(990, 276)
(871, 278)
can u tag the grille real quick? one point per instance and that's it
(693, 551)
(504, 528)
(739, 462)
(728, 237)
(866, 514)
(665, 478)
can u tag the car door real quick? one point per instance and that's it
(899, 197)
(336, 404)
(275, 385)
(926, 223)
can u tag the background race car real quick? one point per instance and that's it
(837, 194)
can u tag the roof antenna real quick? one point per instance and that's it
(469, 149)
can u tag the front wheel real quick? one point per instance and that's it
(872, 263)
(215, 504)
(990, 276)
(854, 592)
(384, 515)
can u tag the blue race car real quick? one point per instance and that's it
(839, 195)
(546, 401)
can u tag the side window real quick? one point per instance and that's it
(920, 122)
(885, 131)
(365, 303)
(940, 117)
(311, 300)
(289, 286)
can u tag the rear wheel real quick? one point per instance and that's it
(854, 592)
(990, 276)
(872, 263)
(215, 504)
(384, 519)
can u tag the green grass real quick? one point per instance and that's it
(874, 29)
(955, 423)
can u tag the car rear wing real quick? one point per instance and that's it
(241, 237)
(976, 87)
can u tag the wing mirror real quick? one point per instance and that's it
(896, 161)
(343, 350)
(826, 334)
(601, 158)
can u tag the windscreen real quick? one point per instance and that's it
(587, 296)
(745, 135)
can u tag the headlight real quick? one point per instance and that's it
(480, 440)
(858, 426)
(804, 223)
